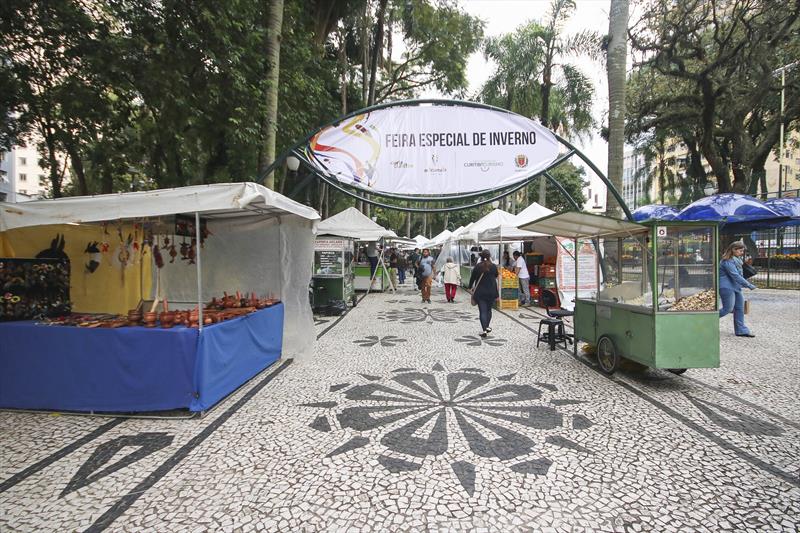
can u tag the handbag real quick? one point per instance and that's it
(748, 270)
(472, 299)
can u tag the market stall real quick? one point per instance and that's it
(152, 324)
(654, 302)
(352, 224)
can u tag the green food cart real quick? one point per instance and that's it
(654, 299)
(333, 275)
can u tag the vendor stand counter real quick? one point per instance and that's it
(133, 369)
(655, 304)
(333, 277)
(363, 275)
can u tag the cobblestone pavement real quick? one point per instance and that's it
(406, 420)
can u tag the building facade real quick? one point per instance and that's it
(21, 177)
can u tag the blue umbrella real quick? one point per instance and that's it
(728, 208)
(654, 212)
(788, 207)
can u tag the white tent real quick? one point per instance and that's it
(507, 233)
(498, 217)
(260, 241)
(420, 240)
(354, 224)
(438, 240)
(530, 214)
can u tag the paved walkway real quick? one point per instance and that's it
(405, 420)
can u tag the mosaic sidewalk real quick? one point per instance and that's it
(406, 420)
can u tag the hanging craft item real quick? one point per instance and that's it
(192, 253)
(94, 256)
(157, 256)
(172, 252)
(184, 250)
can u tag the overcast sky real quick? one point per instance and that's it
(504, 16)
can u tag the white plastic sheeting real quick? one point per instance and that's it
(498, 217)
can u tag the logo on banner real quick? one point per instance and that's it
(521, 161)
(435, 159)
(435, 169)
(402, 164)
(484, 165)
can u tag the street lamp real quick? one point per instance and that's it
(709, 188)
(292, 163)
(781, 148)
(495, 204)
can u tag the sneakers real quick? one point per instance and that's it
(482, 335)
(488, 330)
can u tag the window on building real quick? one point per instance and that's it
(23, 177)
(23, 161)
(2, 156)
(3, 196)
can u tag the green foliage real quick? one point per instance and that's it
(572, 178)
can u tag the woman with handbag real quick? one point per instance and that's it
(731, 283)
(484, 280)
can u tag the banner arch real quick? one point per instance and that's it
(434, 150)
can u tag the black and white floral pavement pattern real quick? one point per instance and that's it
(437, 434)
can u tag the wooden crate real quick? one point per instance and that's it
(509, 304)
(510, 283)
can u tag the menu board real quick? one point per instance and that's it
(565, 269)
(328, 263)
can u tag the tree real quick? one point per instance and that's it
(705, 73)
(272, 49)
(616, 67)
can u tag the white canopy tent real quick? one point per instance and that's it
(498, 217)
(507, 233)
(438, 240)
(530, 214)
(353, 224)
(256, 232)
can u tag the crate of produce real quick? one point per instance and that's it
(547, 283)
(546, 271)
(509, 294)
(509, 304)
(510, 282)
(534, 258)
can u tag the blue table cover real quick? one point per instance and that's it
(133, 369)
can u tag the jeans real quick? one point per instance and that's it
(734, 301)
(401, 273)
(373, 265)
(525, 295)
(450, 291)
(485, 312)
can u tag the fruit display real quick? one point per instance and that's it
(507, 274)
(702, 301)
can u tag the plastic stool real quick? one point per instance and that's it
(555, 333)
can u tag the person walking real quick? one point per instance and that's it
(427, 272)
(731, 283)
(401, 266)
(521, 270)
(484, 280)
(393, 266)
(452, 278)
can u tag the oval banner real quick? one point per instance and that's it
(433, 150)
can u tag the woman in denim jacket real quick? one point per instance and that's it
(731, 283)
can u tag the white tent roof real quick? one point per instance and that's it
(420, 240)
(575, 224)
(354, 224)
(498, 217)
(531, 213)
(507, 233)
(217, 200)
(439, 239)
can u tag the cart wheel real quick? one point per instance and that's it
(676, 371)
(607, 356)
(355, 300)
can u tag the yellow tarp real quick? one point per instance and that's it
(115, 286)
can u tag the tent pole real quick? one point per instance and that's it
(199, 270)
(575, 304)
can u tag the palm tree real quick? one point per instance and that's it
(615, 64)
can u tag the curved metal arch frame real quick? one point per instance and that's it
(295, 150)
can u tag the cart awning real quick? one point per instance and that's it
(507, 233)
(575, 225)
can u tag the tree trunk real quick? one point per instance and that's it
(408, 224)
(365, 54)
(616, 62)
(272, 51)
(55, 178)
(377, 51)
(77, 167)
(343, 70)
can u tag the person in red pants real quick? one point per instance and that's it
(452, 279)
